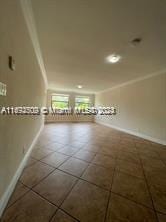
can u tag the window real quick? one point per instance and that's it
(60, 101)
(82, 102)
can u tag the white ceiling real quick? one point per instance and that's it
(76, 35)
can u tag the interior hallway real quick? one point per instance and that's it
(90, 173)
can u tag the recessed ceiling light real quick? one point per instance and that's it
(114, 58)
(79, 87)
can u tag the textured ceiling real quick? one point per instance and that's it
(76, 35)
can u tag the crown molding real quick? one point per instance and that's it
(133, 81)
(27, 10)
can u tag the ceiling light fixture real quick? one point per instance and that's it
(79, 87)
(114, 58)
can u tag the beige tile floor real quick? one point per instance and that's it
(90, 173)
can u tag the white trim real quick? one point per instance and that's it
(134, 81)
(163, 142)
(30, 21)
(5, 198)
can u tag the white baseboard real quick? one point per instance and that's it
(5, 198)
(133, 133)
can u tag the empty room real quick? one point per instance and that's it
(82, 111)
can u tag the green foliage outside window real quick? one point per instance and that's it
(60, 101)
(59, 105)
(82, 102)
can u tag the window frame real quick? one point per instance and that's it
(57, 94)
(82, 96)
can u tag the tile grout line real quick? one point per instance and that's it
(44, 156)
(79, 178)
(32, 190)
(147, 184)
(7, 207)
(40, 180)
(59, 207)
(109, 197)
(68, 214)
(57, 168)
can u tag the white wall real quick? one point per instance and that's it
(68, 118)
(141, 108)
(25, 86)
